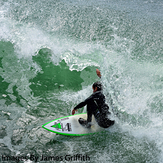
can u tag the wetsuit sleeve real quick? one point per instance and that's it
(82, 104)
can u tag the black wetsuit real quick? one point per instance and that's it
(96, 106)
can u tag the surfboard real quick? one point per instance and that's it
(70, 126)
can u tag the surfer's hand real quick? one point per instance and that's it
(73, 111)
(98, 73)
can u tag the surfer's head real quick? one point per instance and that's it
(97, 86)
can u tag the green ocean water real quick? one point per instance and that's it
(49, 52)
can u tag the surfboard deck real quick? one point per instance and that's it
(70, 126)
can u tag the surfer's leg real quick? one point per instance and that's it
(86, 123)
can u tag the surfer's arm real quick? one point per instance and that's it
(82, 104)
(85, 102)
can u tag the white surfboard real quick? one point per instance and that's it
(70, 126)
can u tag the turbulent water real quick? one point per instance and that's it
(49, 52)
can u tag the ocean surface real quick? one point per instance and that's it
(49, 52)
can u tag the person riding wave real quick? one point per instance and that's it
(95, 106)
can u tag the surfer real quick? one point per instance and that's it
(95, 106)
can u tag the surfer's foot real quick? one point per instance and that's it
(84, 123)
(106, 123)
(111, 123)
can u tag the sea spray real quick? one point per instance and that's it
(49, 52)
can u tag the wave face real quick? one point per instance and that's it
(49, 51)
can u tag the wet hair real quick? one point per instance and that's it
(98, 85)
